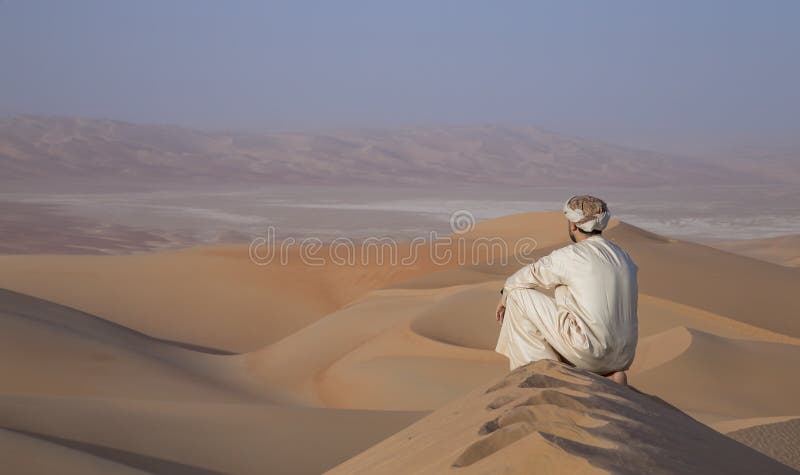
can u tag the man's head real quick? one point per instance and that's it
(586, 215)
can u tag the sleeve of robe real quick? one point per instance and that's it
(545, 273)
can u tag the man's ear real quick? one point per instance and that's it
(572, 226)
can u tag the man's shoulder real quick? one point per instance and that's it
(615, 248)
(566, 252)
(582, 249)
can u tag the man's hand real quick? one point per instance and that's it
(501, 311)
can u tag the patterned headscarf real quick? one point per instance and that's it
(587, 212)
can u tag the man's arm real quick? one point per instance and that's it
(545, 273)
(500, 311)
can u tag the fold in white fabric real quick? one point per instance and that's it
(592, 320)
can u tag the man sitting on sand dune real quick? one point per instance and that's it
(591, 323)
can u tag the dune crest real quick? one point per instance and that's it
(546, 417)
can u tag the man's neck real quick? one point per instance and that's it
(580, 237)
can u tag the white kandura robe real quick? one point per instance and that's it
(591, 322)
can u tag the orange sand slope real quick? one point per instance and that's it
(80, 392)
(329, 360)
(783, 250)
(548, 418)
(209, 296)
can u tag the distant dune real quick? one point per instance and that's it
(199, 362)
(70, 153)
(783, 250)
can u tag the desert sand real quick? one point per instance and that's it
(783, 250)
(546, 417)
(198, 361)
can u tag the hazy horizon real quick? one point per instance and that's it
(676, 77)
(246, 237)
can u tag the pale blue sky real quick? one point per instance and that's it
(612, 69)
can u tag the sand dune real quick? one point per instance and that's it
(671, 270)
(349, 359)
(783, 250)
(214, 365)
(214, 297)
(744, 289)
(90, 377)
(25, 454)
(460, 319)
(546, 417)
(714, 377)
(199, 438)
(775, 439)
(526, 236)
(69, 353)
